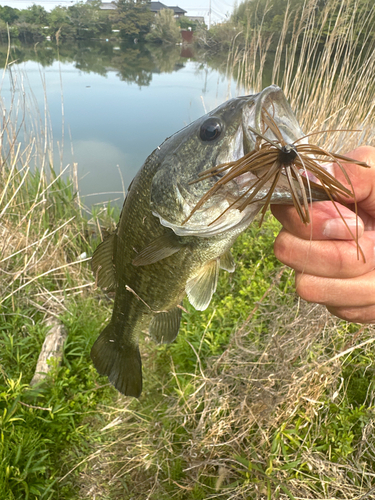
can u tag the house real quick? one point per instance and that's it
(108, 6)
(156, 7)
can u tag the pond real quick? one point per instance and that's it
(111, 105)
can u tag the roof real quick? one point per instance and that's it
(108, 6)
(158, 6)
(178, 10)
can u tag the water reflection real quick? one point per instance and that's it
(120, 102)
(134, 63)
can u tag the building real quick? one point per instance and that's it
(197, 19)
(156, 7)
(108, 6)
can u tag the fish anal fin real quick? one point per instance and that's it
(158, 249)
(102, 264)
(200, 287)
(164, 326)
(227, 262)
(121, 363)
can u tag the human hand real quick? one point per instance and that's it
(329, 269)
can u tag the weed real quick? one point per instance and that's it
(43, 429)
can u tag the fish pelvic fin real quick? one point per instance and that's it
(227, 262)
(164, 326)
(200, 287)
(121, 363)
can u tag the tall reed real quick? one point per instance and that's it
(42, 232)
(325, 67)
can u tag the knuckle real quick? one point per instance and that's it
(282, 248)
(354, 314)
(308, 288)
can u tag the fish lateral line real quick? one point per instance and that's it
(129, 289)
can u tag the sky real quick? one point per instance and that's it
(220, 9)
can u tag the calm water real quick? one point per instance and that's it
(119, 104)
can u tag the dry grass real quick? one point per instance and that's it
(275, 415)
(42, 232)
(226, 436)
(328, 78)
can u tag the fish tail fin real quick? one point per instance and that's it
(120, 363)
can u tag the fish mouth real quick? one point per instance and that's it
(282, 137)
(273, 101)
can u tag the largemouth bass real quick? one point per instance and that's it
(161, 250)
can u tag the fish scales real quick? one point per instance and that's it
(154, 259)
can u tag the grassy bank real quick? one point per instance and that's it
(262, 396)
(44, 274)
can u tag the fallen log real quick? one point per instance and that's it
(53, 348)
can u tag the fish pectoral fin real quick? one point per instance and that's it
(164, 326)
(202, 285)
(227, 262)
(121, 363)
(102, 264)
(159, 249)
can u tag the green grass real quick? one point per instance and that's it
(43, 431)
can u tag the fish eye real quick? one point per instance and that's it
(210, 129)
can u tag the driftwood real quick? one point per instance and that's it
(53, 347)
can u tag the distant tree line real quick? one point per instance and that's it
(269, 19)
(132, 19)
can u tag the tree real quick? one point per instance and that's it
(186, 23)
(30, 23)
(35, 15)
(85, 19)
(8, 14)
(59, 24)
(165, 28)
(132, 18)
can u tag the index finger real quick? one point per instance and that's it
(328, 221)
(362, 179)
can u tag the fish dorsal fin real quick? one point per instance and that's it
(102, 264)
(227, 262)
(202, 285)
(158, 249)
(164, 326)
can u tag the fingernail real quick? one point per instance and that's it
(339, 229)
